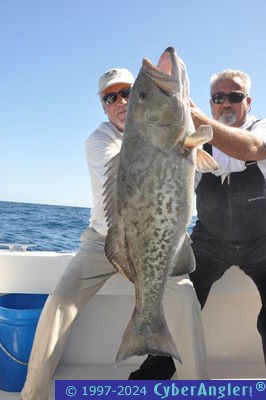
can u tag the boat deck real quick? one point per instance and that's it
(229, 318)
(109, 372)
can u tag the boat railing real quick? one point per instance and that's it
(16, 246)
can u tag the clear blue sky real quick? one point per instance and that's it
(53, 51)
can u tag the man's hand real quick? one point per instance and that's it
(198, 116)
(235, 142)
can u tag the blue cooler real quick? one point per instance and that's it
(19, 315)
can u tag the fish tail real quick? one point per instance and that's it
(142, 337)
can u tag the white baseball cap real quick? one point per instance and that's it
(113, 76)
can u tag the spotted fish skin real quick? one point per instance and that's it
(149, 200)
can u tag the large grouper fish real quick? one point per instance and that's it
(149, 196)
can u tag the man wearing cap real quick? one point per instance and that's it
(90, 269)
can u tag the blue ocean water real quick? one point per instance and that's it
(43, 227)
(47, 227)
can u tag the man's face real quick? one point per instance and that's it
(229, 112)
(116, 110)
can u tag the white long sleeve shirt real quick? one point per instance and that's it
(101, 146)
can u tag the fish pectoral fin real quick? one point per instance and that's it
(205, 162)
(184, 261)
(202, 135)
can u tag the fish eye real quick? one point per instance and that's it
(143, 95)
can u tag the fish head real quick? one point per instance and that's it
(159, 101)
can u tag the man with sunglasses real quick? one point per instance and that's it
(231, 201)
(90, 269)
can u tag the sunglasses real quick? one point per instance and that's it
(111, 98)
(233, 97)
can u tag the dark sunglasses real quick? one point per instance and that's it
(233, 97)
(111, 98)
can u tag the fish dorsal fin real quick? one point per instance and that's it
(115, 247)
(201, 136)
(205, 162)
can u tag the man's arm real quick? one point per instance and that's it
(100, 149)
(235, 142)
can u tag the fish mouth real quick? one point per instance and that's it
(167, 75)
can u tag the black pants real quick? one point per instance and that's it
(213, 258)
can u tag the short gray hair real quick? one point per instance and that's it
(232, 74)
